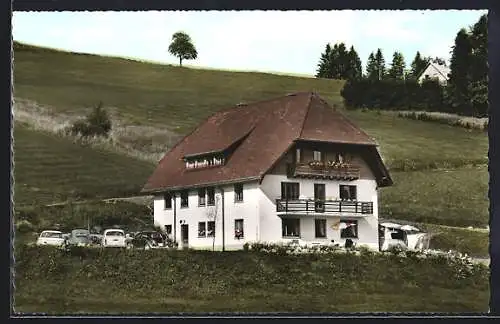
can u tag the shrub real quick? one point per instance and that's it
(97, 123)
(24, 226)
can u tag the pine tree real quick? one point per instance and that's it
(459, 84)
(380, 61)
(355, 69)
(418, 66)
(342, 62)
(479, 67)
(397, 70)
(324, 63)
(371, 68)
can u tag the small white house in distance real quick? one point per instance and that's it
(272, 171)
(435, 71)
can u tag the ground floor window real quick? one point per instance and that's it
(168, 229)
(206, 229)
(211, 229)
(290, 227)
(238, 228)
(202, 229)
(320, 228)
(348, 229)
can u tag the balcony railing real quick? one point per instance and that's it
(326, 170)
(324, 206)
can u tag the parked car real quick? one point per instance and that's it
(79, 237)
(113, 238)
(50, 237)
(393, 235)
(149, 240)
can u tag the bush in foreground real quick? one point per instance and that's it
(107, 280)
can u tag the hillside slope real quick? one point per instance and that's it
(50, 169)
(146, 93)
(179, 98)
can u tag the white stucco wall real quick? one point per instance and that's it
(432, 73)
(192, 215)
(270, 222)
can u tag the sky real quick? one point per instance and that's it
(268, 41)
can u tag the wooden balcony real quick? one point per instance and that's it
(323, 170)
(333, 207)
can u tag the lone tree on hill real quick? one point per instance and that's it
(182, 47)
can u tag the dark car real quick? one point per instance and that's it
(148, 240)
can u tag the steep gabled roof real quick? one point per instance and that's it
(441, 69)
(263, 132)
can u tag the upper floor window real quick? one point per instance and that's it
(298, 157)
(167, 198)
(238, 192)
(211, 196)
(348, 192)
(201, 197)
(184, 198)
(204, 162)
(290, 190)
(317, 156)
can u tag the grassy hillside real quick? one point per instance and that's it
(50, 169)
(179, 98)
(450, 197)
(146, 93)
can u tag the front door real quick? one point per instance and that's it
(319, 197)
(185, 235)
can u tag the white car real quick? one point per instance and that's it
(114, 238)
(49, 237)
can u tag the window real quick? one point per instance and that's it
(168, 229)
(238, 228)
(290, 190)
(184, 199)
(320, 228)
(201, 197)
(211, 229)
(202, 229)
(298, 158)
(347, 192)
(167, 197)
(348, 229)
(290, 227)
(238, 192)
(210, 196)
(317, 156)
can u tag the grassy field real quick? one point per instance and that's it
(179, 98)
(197, 281)
(418, 145)
(52, 169)
(146, 93)
(473, 242)
(457, 197)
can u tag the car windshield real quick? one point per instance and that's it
(81, 233)
(114, 233)
(52, 234)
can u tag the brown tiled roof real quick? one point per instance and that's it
(266, 129)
